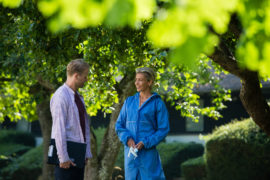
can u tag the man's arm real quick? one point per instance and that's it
(59, 117)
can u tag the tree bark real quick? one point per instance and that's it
(254, 102)
(91, 169)
(45, 120)
(110, 147)
(250, 93)
(102, 164)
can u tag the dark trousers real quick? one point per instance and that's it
(73, 173)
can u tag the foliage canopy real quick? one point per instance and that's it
(188, 27)
(34, 65)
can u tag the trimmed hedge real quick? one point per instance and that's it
(14, 144)
(17, 137)
(13, 150)
(8, 152)
(238, 151)
(194, 169)
(173, 154)
(4, 161)
(26, 167)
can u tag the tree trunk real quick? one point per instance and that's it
(91, 169)
(110, 147)
(102, 164)
(250, 93)
(254, 102)
(45, 120)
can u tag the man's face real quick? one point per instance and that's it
(81, 78)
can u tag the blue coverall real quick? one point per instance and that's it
(149, 124)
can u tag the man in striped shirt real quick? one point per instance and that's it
(70, 121)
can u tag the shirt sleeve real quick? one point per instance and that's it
(59, 116)
(120, 126)
(87, 134)
(163, 126)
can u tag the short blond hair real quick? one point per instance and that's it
(76, 66)
(148, 72)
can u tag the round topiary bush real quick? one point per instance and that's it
(238, 151)
(173, 154)
(194, 169)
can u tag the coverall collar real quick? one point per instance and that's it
(137, 96)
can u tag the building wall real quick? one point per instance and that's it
(179, 125)
(185, 138)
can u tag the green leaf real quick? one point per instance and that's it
(11, 3)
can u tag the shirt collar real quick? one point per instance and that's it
(69, 89)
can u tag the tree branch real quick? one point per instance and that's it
(45, 84)
(225, 59)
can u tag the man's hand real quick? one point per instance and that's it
(131, 143)
(67, 164)
(140, 145)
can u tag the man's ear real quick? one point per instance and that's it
(76, 75)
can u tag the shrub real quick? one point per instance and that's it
(194, 169)
(4, 161)
(238, 151)
(13, 145)
(173, 154)
(8, 152)
(17, 137)
(26, 167)
(13, 150)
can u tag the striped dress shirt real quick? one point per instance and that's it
(66, 122)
